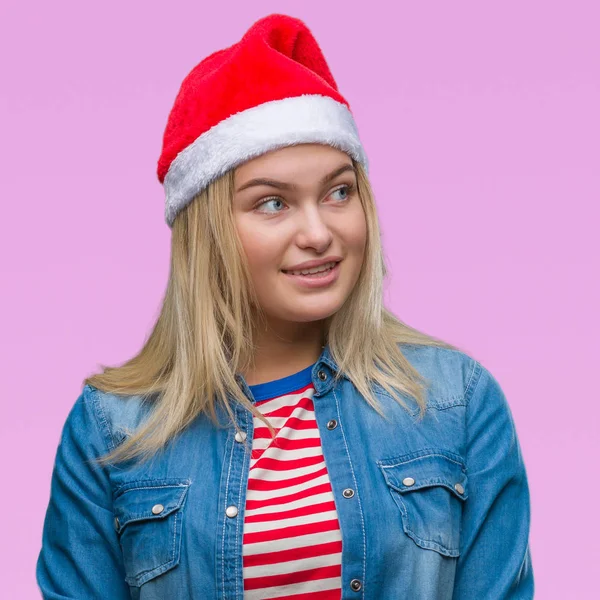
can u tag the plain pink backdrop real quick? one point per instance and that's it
(482, 128)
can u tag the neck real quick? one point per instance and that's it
(285, 349)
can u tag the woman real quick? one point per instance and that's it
(281, 434)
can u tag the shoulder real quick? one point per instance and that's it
(117, 415)
(457, 378)
(450, 374)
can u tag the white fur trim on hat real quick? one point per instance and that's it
(298, 120)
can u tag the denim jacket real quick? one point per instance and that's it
(428, 510)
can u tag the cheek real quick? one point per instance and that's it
(361, 233)
(262, 252)
(354, 232)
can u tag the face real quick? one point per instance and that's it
(293, 205)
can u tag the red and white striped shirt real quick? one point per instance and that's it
(292, 545)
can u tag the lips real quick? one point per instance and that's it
(321, 272)
(333, 264)
(316, 280)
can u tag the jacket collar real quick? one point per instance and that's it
(322, 374)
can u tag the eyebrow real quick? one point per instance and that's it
(292, 186)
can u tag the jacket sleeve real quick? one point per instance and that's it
(80, 556)
(495, 558)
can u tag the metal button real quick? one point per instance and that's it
(240, 436)
(356, 584)
(408, 481)
(231, 511)
(157, 509)
(331, 424)
(459, 488)
(348, 493)
(322, 375)
(117, 524)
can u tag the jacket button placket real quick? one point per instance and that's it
(233, 494)
(340, 470)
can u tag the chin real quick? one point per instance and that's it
(301, 313)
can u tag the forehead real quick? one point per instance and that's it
(293, 163)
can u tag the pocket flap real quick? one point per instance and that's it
(152, 499)
(426, 468)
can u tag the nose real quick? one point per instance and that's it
(313, 230)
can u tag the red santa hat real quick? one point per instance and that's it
(271, 89)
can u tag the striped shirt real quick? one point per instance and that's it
(292, 541)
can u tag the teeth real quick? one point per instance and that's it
(320, 269)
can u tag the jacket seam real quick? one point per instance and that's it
(241, 509)
(222, 565)
(101, 420)
(183, 483)
(474, 379)
(362, 519)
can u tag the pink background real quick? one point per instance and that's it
(482, 127)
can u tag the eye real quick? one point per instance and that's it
(266, 201)
(346, 189)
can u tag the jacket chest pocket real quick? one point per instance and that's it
(429, 487)
(148, 521)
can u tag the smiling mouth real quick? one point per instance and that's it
(321, 270)
(311, 275)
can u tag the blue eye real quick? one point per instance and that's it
(266, 200)
(347, 189)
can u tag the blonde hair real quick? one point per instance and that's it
(203, 335)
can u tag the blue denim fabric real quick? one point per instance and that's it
(440, 509)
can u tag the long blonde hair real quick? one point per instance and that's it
(203, 336)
